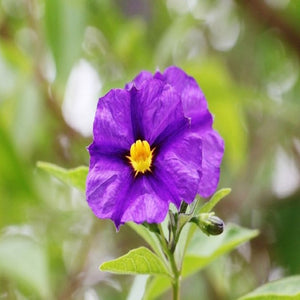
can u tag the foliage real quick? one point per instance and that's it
(245, 57)
(287, 288)
(201, 250)
(75, 177)
(137, 261)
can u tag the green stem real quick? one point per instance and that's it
(171, 258)
(176, 277)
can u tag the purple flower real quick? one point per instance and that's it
(153, 144)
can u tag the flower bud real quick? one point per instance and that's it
(214, 226)
(209, 223)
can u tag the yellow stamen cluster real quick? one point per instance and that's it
(141, 156)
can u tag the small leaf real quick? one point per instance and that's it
(75, 177)
(136, 261)
(283, 289)
(219, 195)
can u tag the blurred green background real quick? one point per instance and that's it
(57, 57)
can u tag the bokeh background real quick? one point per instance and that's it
(57, 57)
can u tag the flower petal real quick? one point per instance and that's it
(195, 107)
(145, 202)
(213, 149)
(170, 112)
(157, 109)
(178, 166)
(112, 125)
(108, 181)
(113, 193)
(193, 99)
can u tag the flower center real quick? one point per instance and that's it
(140, 156)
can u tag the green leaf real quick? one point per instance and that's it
(202, 251)
(284, 289)
(219, 195)
(75, 177)
(136, 261)
(24, 261)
